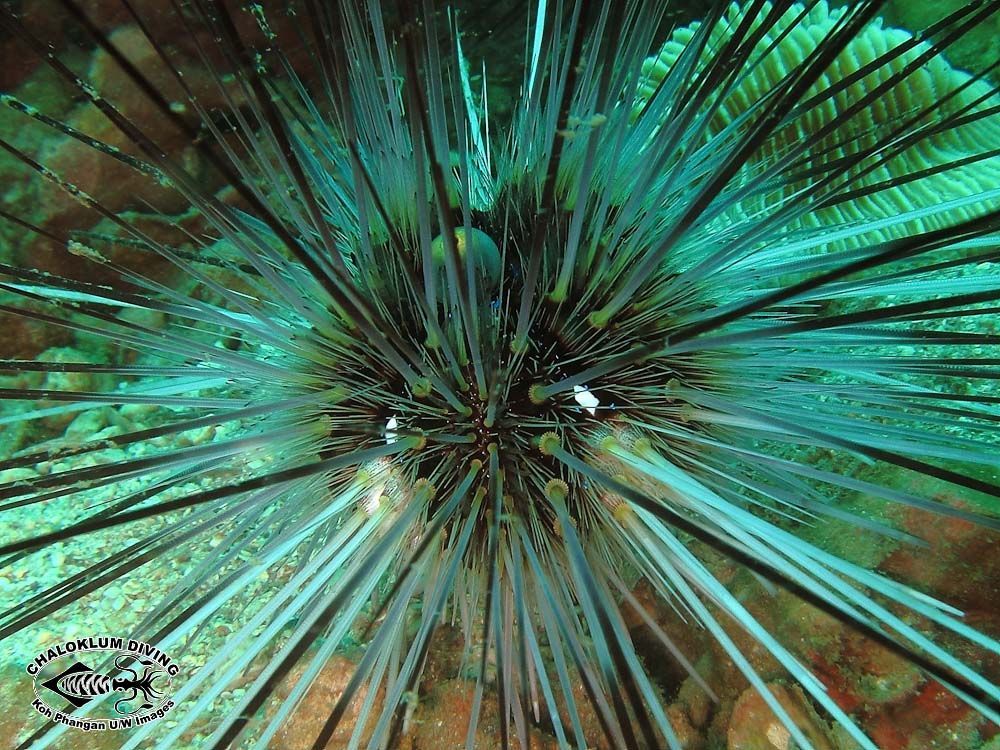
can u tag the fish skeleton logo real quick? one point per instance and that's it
(79, 684)
(108, 682)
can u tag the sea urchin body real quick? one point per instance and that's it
(711, 287)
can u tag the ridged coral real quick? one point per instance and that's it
(901, 187)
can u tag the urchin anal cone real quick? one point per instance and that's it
(475, 243)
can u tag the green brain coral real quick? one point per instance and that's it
(919, 182)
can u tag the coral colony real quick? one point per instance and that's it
(363, 372)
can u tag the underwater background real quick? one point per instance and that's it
(894, 702)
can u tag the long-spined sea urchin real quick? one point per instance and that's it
(418, 367)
